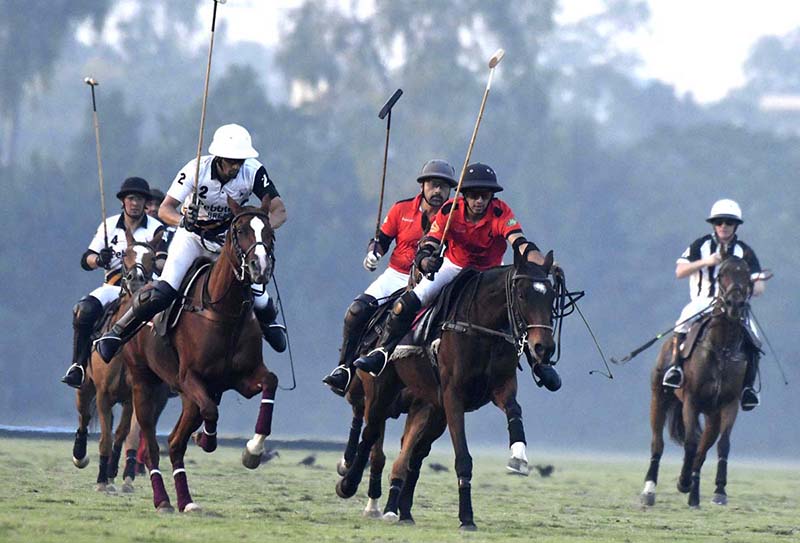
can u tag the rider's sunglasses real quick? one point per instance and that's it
(233, 161)
(726, 222)
(478, 195)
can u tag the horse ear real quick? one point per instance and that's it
(235, 207)
(548, 261)
(723, 251)
(155, 243)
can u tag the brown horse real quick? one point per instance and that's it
(109, 384)
(476, 362)
(713, 378)
(214, 347)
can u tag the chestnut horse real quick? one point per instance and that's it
(109, 384)
(214, 347)
(476, 362)
(713, 379)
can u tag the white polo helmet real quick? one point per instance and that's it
(232, 141)
(725, 209)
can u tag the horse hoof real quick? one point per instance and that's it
(101, 487)
(82, 463)
(192, 507)
(648, 498)
(165, 508)
(407, 521)
(250, 461)
(683, 489)
(468, 527)
(341, 467)
(371, 513)
(110, 487)
(720, 499)
(343, 491)
(517, 466)
(389, 516)
(127, 486)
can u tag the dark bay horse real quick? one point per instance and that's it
(477, 358)
(713, 378)
(109, 384)
(214, 347)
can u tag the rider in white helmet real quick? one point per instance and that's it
(700, 263)
(230, 170)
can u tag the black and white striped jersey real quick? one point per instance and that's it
(704, 281)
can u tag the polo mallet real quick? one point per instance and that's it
(493, 62)
(205, 99)
(386, 112)
(92, 82)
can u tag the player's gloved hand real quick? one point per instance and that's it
(104, 257)
(190, 216)
(371, 260)
(430, 265)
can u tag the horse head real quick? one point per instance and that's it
(252, 240)
(138, 262)
(532, 304)
(735, 286)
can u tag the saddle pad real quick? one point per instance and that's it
(167, 319)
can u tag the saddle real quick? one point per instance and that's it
(696, 332)
(168, 319)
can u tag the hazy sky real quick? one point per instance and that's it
(698, 46)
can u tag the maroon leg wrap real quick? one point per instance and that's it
(182, 488)
(208, 442)
(264, 422)
(160, 496)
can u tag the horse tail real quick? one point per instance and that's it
(677, 431)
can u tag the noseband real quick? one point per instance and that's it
(240, 269)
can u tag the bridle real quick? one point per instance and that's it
(129, 275)
(516, 320)
(735, 288)
(240, 268)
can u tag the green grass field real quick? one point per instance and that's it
(43, 497)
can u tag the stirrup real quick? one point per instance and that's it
(69, 378)
(373, 363)
(669, 380)
(750, 399)
(334, 379)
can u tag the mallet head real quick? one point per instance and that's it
(496, 58)
(90, 81)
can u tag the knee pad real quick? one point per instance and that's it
(408, 304)
(87, 311)
(360, 310)
(149, 301)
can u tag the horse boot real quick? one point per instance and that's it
(673, 377)
(400, 321)
(85, 315)
(544, 374)
(147, 303)
(356, 318)
(274, 333)
(750, 399)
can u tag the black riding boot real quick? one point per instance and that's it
(147, 303)
(274, 333)
(673, 377)
(85, 315)
(750, 399)
(400, 321)
(358, 315)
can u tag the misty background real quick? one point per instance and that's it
(615, 173)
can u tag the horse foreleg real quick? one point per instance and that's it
(400, 468)
(251, 456)
(106, 419)
(131, 446)
(710, 433)
(377, 461)
(658, 417)
(194, 390)
(454, 408)
(120, 435)
(188, 422)
(505, 399)
(728, 417)
(690, 424)
(83, 402)
(352, 439)
(145, 414)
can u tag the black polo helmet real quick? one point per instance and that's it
(156, 195)
(134, 185)
(480, 177)
(438, 169)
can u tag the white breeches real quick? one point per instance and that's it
(696, 305)
(385, 284)
(427, 290)
(106, 293)
(184, 248)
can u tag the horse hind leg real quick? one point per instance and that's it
(120, 435)
(145, 414)
(188, 422)
(377, 461)
(106, 418)
(83, 402)
(658, 417)
(435, 425)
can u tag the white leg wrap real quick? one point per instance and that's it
(372, 506)
(649, 487)
(518, 451)
(256, 445)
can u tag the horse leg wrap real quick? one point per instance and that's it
(113, 466)
(79, 448)
(130, 464)
(264, 422)
(181, 486)
(722, 474)
(407, 493)
(652, 471)
(465, 502)
(160, 496)
(208, 437)
(374, 489)
(102, 470)
(352, 441)
(394, 496)
(516, 431)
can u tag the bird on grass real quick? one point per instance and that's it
(435, 466)
(545, 471)
(308, 460)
